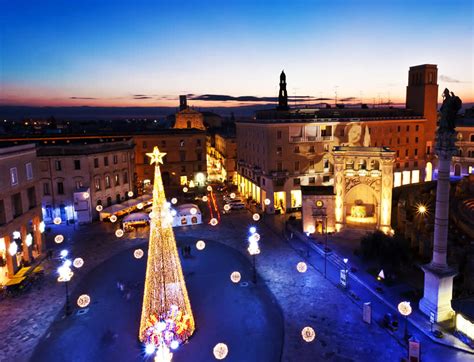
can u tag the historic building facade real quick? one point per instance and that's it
(222, 158)
(463, 162)
(21, 223)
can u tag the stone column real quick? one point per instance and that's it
(438, 290)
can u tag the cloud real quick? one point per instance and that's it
(447, 79)
(82, 98)
(254, 99)
(347, 99)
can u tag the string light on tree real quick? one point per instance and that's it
(209, 188)
(226, 207)
(29, 240)
(13, 248)
(267, 202)
(185, 189)
(193, 211)
(140, 206)
(130, 194)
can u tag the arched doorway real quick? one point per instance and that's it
(457, 169)
(428, 171)
(361, 206)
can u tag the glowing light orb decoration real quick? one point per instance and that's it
(256, 217)
(119, 233)
(29, 240)
(138, 253)
(193, 211)
(232, 195)
(204, 198)
(174, 200)
(214, 221)
(130, 194)
(113, 218)
(58, 239)
(220, 351)
(78, 263)
(13, 248)
(185, 189)
(311, 229)
(308, 334)
(140, 206)
(301, 267)
(200, 245)
(99, 208)
(267, 202)
(209, 188)
(57, 221)
(235, 277)
(42, 226)
(85, 195)
(226, 207)
(404, 308)
(83, 301)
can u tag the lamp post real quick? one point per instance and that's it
(65, 274)
(253, 250)
(405, 310)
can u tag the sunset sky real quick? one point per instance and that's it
(146, 53)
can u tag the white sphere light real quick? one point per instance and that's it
(185, 189)
(29, 240)
(226, 207)
(13, 248)
(130, 194)
(83, 300)
(58, 239)
(193, 211)
(204, 198)
(78, 262)
(209, 188)
(301, 267)
(174, 200)
(235, 277)
(99, 208)
(214, 221)
(267, 202)
(200, 245)
(232, 195)
(119, 233)
(256, 217)
(85, 195)
(220, 351)
(404, 308)
(113, 218)
(140, 206)
(308, 334)
(57, 220)
(138, 253)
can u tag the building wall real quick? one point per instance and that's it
(189, 118)
(226, 153)
(463, 163)
(22, 224)
(106, 170)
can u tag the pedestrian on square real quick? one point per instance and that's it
(50, 254)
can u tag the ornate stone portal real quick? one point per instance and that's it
(438, 290)
(363, 181)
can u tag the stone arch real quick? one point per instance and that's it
(361, 205)
(428, 171)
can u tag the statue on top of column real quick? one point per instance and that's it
(448, 111)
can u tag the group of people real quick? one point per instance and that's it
(186, 251)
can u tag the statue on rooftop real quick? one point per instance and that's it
(448, 111)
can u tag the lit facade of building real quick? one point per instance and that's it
(463, 163)
(282, 149)
(20, 209)
(102, 172)
(222, 159)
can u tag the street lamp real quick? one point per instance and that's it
(405, 310)
(253, 250)
(65, 274)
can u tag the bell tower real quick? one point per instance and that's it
(283, 94)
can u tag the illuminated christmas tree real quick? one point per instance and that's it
(167, 319)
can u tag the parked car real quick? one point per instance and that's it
(234, 201)
(237, 206)
(389, 321)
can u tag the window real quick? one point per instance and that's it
(408, 128)
(398, 141)
(398, 128)
(296, 181)
(29, 171)
(31, 192)
(77, 164)
(3, 217)
(279, 151)
(57, 165)
(78, 184)
(60, 187)
(279, 166)
(428, 150)
(472, 138)
(181, 143)
(415, 164)
(311, 165)
(297, 149)
(325, 178)
(106, 160)
(97, 183)
(115, 158)
(16, 203)
(183, 168)
(182, 156)
(416, 151)
(326, 163)
(311, 149)
(199, 156)
(297, 165)
(144, 145)
(417, 127)
(117, 179)
(188, 124)
(124, 157)
(398, 153)
(125, 177)
(416, 139)
(96, 162)
(14, 176)
(107, 182)
(278, 135)
(46, 190)
(198, 143)
(312, 180)
(406, 152)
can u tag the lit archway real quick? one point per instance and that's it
(361, 206)
(429, 171)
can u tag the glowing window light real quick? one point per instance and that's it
(308, 334)
(232, 195)
(138, 253)
(267, 202)
(235, 277)
(214, 221)
(29, 240)
(140, 206)
(83, 300)
(85, 195)
(174, 200)
(204, 198)
(185, 189)
(301, 267)
(58, 239)
(13, 248)
(113, 218)
(99, 208)
(42, 227)
(16, 235)
(130, 194)
(464, 325)
(193, 211)
(78, 263)
(226, 207)
(57, 220)
(220, 351)
(209, 188)
(311, 229)
(200, 245)
(119, 233)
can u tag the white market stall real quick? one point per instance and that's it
(134, 220)
(187, 214)
(126, 207)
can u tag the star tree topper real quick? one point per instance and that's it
(156, 156)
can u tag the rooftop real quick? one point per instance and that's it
(317, 190)
(82, 148)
